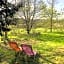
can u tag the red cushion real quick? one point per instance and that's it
(27, 49)
(14, 46)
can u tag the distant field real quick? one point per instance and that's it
(58, 25)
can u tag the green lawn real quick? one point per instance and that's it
(50, 46)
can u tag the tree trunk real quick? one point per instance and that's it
(28, 29)
(52, 6)
(5, 35)
(51, 25)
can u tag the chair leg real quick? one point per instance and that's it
(26, 59)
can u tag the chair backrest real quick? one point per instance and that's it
(14, 46)
(27, 49)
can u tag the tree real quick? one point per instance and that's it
(49, 11)
(52, 11)
(7, 10)
(28, 13)
(43, 8)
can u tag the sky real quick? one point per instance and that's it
(13, 1)
(59, 3)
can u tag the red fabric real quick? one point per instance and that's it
(14, 46)
(27, 49)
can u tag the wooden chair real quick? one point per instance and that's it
(27, 49)
(14, 46)
(29, 53)
(24, 51)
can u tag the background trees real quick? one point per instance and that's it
(50, 12)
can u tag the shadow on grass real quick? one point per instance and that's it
(43, 37)
(59, 33)
(30, 60)
(47, 60)
(47, 37)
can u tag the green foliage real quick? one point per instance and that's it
(6, 55)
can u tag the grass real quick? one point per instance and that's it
(50, 46)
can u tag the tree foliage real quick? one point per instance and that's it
(7, 10)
